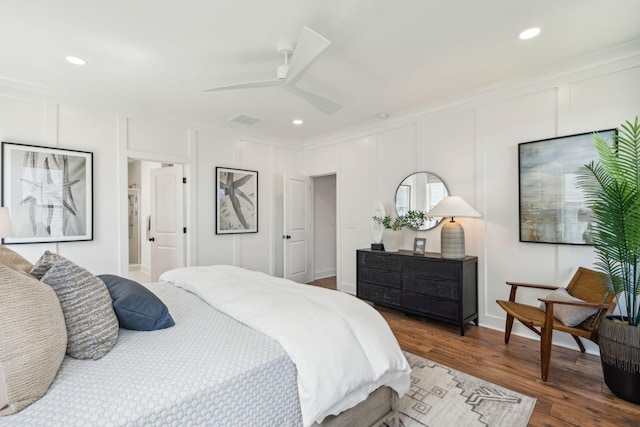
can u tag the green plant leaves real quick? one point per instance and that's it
(612, 191)
(412, 219)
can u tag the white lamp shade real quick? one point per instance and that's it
(5, 223)
(453, 206)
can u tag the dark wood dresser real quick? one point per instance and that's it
(426, 285)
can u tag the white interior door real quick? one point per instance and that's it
(166, 224)
(298, 230)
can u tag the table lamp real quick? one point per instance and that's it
(452, 233)
(5, 223)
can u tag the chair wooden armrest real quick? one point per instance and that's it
(515, 285)
(576, 303)
(533, 285)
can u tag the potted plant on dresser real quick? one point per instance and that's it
(612, 190)
(393, 236)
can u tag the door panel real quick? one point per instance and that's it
(298, 232)
(298, 265)
(167, 220)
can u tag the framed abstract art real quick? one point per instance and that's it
(236, 201)
(552, 208)
(49, 193)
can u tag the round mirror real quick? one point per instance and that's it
(420, 191)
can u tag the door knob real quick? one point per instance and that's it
(286, 237)
(152, 239)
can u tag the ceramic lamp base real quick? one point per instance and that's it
(452, 241)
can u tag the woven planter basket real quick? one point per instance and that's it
(620, 356)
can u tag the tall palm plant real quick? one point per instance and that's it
(612, 190)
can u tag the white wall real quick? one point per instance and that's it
(37, 120)
(471, 143)
(262, 251)
(324, 219)
(29, 117)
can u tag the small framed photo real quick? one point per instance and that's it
(419, 244)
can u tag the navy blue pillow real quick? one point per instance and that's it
(136, 307)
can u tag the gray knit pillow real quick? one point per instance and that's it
(92, 326)
(33, 339)
(570, 315)
(45, 262)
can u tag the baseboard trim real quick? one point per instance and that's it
(324, 274)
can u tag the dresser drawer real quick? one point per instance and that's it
(381, 261)
(431, 306)
(430, 287)
(380, 277)
(435, 268)
(379, 294)
(426, 285)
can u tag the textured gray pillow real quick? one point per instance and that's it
(92, 326)
(33, 339)
(45, 262)
(568, 314)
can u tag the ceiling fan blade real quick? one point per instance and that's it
(310, 44)
(325, 105)
(266, 83)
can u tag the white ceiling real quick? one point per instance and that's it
(385, 57)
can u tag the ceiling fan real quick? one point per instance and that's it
(298, 57)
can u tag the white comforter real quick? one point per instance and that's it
(342, 348)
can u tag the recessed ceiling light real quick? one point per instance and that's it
(382, 115)
(529, 33)
(75, 60)
(297, 122)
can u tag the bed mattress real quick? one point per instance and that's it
(343, 348)
(208, 369)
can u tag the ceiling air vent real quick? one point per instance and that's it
(245, 120)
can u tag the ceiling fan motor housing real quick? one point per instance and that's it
(285, 49)
(282, 71)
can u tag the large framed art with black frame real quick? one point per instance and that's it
(236, 201)
(49, 193)
(552, 208)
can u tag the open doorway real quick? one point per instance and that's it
(138, 210)
(324, 214)
(156, 210)
(309, 228)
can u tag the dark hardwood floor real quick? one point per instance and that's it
(574, 394)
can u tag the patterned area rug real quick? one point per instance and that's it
(441, 396)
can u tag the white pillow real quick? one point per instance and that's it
(570, 315)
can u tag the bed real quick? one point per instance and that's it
(235, 357)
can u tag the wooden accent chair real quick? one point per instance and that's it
(587, 285)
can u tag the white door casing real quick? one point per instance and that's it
(298, 230)
(166, 232)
